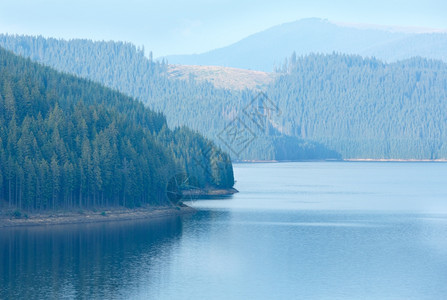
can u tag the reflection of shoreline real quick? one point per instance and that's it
(88, 216)
(100, 260)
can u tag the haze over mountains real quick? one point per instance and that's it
(328, 105)
(264, 50)
(195, 103)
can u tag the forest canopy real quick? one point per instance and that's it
(70, 142)
(364, 108)
(331, 106)
(198, 105)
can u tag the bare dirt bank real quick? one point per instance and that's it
(7, 219)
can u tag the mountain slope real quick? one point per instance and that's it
(69, 142)
(192, 102)
(319, 106)
(364, 108)
(265, 50)
(222, 77)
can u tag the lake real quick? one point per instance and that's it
(305, 230)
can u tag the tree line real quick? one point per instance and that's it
(363, 107)
(70, 142)
(331, 106)
(198, 105)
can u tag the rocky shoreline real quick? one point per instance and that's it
(209, 192)
(11, 219)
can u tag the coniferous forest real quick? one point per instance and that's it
(191, 150)
(198, 105)
(69, 142)
(331, 106)
(364, 108)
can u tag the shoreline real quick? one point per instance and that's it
(393, 160)
(209, 192)
(91, 216)
(110, 214)
(342, 160)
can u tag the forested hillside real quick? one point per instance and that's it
(364, 108)
(199, 105)
(325, 106)
(70, 142)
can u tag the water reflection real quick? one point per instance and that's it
(270, 241)
(82, 261)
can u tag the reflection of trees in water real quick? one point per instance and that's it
(81, 261)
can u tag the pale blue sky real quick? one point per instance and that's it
(182, 27)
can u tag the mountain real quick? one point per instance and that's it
(70, 142)
(266, 50)
(317, 107)
(180, 92)
(365, 108)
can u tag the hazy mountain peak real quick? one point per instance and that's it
(266, 49)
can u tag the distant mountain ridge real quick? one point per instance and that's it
(266, 49)
(323, 106)
(193, 102)
(364, 108)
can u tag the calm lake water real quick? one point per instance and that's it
(295, 231)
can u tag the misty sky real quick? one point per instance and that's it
(194, 26)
